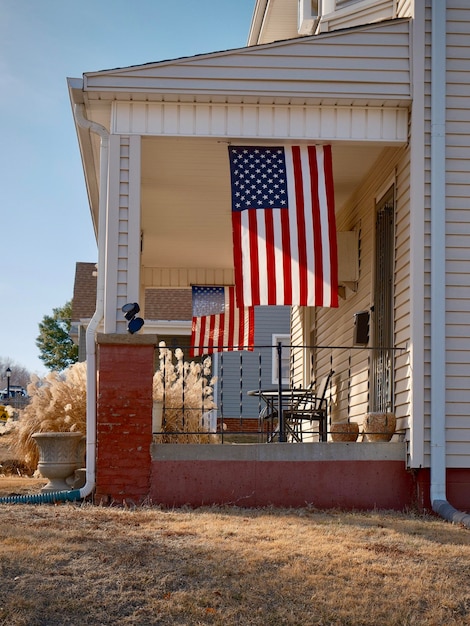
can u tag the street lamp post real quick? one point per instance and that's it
(8, 373)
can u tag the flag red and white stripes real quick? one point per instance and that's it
(218, 324)
(283, 221)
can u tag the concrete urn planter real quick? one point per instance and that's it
(344, 431)
(60, 454)
(379, 426)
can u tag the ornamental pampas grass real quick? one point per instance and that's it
(58, 404)
(186, 391)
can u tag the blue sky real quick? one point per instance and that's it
(45, 222)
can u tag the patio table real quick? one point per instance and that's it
(297, 406)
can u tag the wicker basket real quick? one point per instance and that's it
(379, 426)
(344, 431)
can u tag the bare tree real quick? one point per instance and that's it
(19, 375)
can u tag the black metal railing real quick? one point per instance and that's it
(254, 397)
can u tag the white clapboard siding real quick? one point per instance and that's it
(244, 371)
(123, 227)
(457, 291)
(426, 434)
(300, 336)
(402, 296)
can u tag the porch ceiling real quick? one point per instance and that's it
(186, 219)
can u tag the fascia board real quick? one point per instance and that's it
(76, 95)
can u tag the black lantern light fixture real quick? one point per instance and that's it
(130, 311)
(8, 375)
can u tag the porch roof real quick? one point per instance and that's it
(363, 65)
(350, 88)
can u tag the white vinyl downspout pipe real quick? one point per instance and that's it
(76, 494)
(99, 311)
(438, 495)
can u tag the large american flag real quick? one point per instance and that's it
(283, 221)
(218, 324)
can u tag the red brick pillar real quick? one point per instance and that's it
(124, 417)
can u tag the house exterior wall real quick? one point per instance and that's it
(404, 331)
(427, 245)
(457, 236)
(300, 336)
(457, 218)
(334, 327)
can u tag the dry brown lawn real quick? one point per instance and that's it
(80, 564)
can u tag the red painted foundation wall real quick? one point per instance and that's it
(457, 488)
(323, 484)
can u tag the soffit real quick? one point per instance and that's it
(186, 202)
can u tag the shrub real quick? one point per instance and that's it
(186, 392)
(57, 404)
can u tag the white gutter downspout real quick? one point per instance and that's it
(99, 312)
(438, 496)
(75, 494)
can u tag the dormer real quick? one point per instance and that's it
(276, 20)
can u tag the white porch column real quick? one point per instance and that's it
(417, 236)
(123, 230)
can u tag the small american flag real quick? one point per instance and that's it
(283, 221)
(218, 324)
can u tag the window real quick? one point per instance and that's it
(342, 3)
(285, 359)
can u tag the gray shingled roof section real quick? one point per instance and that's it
(168, 304)
(84, 291)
